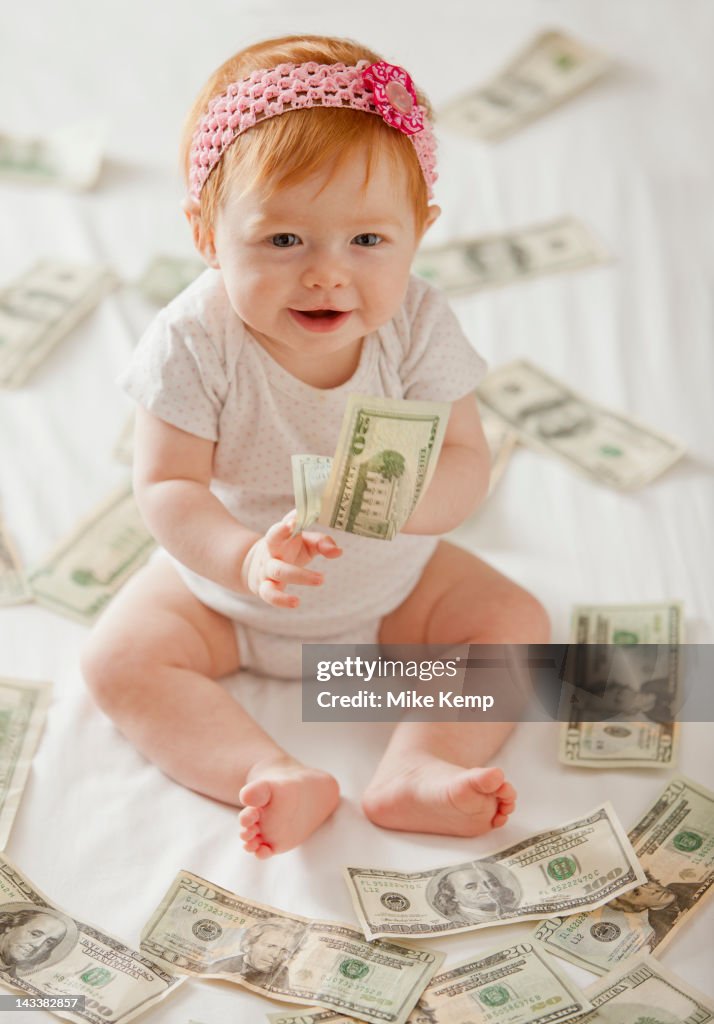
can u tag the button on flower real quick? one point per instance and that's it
(394, 96)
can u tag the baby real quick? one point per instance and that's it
(310, 165)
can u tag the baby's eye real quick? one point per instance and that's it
(285, 240)
(367, 239)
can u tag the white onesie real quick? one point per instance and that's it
(198, 368)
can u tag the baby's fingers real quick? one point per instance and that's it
(272, 593)
(285, 572)
(321, 544)
(277, 535)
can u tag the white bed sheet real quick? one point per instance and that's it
(100, 830)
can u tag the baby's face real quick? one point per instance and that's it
(325, 244)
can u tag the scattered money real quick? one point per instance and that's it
(553, 68)
(464, 266)
(645, 992)
(621, 713)
(39, 308)
(583, 863)
(608, 447)
(166, 276)
(45, 952)
(514, 985)
(23, 708)
(386, 455)
(674, 841)
(85, 570)
(124, 448)
(501, 441)
(202, 929)
(13, 585)
(72, 157)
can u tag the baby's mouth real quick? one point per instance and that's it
(320, 314)
(320, 320)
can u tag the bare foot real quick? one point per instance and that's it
(283, 803)
(431, 795)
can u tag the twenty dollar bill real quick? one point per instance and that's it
(553, 68)
(86, 570)
(608, 447)
(467, 265)
(674, 842)
(202, 929)
(583, 863)
(386, 455)
(626, 663)
(39, 308)
(515, 985)
(23, 708)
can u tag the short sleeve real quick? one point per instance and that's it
(439, 364)
(177, 374)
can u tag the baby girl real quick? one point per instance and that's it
(310, 164)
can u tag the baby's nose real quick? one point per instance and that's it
(326, 271)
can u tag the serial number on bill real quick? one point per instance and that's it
(42, 1003)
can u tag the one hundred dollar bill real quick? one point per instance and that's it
(45, 952)
(166, 276)
(674, 842)
(464, 266)
(124, 447)
(386, 455)
(501, 441)
(72, 157)
(40, 308)
(606, 446)
(582, 863)
(204, 930)
(14, 588)
(621, 712)
(23, 708)
(645, 991)
(553, 68)
(515, 985)
(85, 570)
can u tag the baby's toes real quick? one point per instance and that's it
(263, 850)
(249, 816)
(499, 820)
(506, 793)
(249, 833)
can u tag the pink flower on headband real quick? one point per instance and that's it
(394, 96)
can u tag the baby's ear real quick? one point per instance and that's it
(203, 238)
(432, 214)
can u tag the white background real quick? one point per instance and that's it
(100, 831)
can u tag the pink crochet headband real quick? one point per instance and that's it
(381, 88)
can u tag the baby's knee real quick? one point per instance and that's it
(104, 662)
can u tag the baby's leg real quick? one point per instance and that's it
(432, 777)
(151, 663)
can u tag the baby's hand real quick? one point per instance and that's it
(278, 559)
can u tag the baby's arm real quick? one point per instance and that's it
(172, 474)
(460, 481)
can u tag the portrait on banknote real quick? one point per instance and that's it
(472, 895)
(265, 949)
(33, 937)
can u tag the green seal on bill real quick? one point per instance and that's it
(354, 969)
(494, 995)
(687, 841)
(562, 867)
